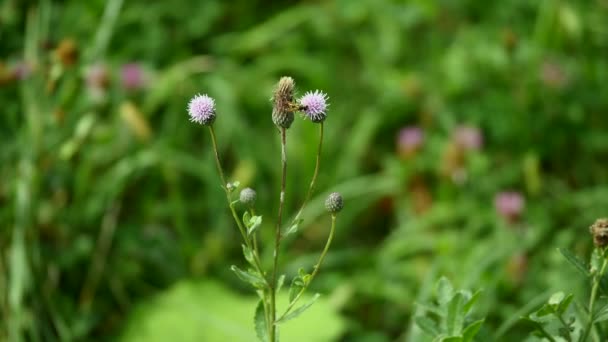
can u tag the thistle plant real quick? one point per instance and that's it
(266, 281)
(557, 320)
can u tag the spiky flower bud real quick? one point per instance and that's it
(334, 203)
(599, 230)
(314, 105)
(202, 109)
(248, 197)
(282, 99)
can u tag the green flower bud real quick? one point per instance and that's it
(334, 203)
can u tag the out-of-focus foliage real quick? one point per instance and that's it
(108, 195)
(208, 312)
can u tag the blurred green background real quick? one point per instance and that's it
(469, 139)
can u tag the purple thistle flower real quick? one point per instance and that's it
(509, 205)
(314, 105)
(468, 137)
(409, 140)
(132, 76)
(202, 109)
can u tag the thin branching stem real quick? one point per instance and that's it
(277, 241)
(316, 269)
(242, 229)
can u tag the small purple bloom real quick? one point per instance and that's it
(202, 109)
(468, 137)
(22, 70)
(410, 139)
(509, 205)
(315, 105)
(133, 76)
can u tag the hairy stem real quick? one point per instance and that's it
(596, 283)
(277, 240)
(316, 268)
(314, 176)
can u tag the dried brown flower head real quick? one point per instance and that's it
(283, 104)
(599, 230)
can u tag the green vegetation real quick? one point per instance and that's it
(112, 220)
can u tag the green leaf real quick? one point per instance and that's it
(249, 277)
(445, 291)
(470, 302)
(297, 312)
(293, 228)
(248, 254)
(246, 218)
(280, 282)
(575, 261)
(471, 330)
(564, 304)
(233, 186)
(295, 288)
(261, 328)
(427, 325)
(455, 316)
(601, 314)
(556, 298)
(451, 339)
(195, 310)
(430, 308)
(254, 223)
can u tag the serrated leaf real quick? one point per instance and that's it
(445, 291)
(455, 316)
(248, 254)
(297, 312)
(427, 325)
(249, 277)
(254, 223)
(261, 328)
(471, 330)
(574, 261)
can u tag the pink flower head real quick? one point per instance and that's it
(509, 205)
(409, 140)
(133, 76)
(22, 70)
(202, 109)
(314, 105)
(468, 137)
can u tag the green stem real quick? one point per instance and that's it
(242, 229)
(596, 283)
(277, 241)
(316, 268)
(314, 176)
